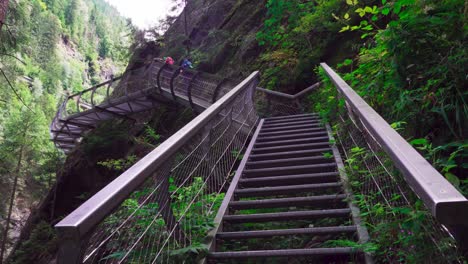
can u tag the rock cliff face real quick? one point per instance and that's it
(221, 38)
(221, 35)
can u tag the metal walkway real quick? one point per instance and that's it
(163, 85)
(286, 181)
(195, 195)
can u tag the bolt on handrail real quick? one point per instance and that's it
(444, 201)
(76, 226)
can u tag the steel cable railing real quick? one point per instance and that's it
(390, 179)
(160, 210)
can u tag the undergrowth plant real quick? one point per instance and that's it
(400, 232)
(412, 71)
(189, 204)
(119, 164)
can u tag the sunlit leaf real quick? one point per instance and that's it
(452, 179)
(419, 141)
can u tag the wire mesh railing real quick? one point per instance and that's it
(160, 210)
(412, 212)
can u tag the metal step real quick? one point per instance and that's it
(287, 216)
(323, 200)
(289, 170)
(292, 141)
(66, 132)
(334, 253)
(282, 190)
(291, 147)
(289, 154)
(294, 136)
(285, 170)
(302, 119)
(287, 162)
(77, 124)
(292, 123)
(310, 178)
(287, 232)
(65, 140)
(293, 131)
(290, 117)
(276, 129)
(66, 147)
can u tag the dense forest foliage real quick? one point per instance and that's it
(407, 59)
(48, 49)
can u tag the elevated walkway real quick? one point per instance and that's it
(286, 198)
(161, 84)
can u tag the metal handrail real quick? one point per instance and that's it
(442, 199)
(94, 87)
(81, 222)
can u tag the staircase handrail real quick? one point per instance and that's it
(444, 201)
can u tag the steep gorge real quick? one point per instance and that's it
(221, 37)
(48, 49)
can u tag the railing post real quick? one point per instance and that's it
(216, 90)
(163, 198)
(189, 90)
(108, 88)
(208, 159)
(460, 233)
(158, 81)
(78, 101)
(71, 249)
(174, 76)
(268, 104)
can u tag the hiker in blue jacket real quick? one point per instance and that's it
(187, 64)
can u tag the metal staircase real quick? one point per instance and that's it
(287, 191)
(288, 199)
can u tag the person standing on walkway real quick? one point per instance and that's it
(169, 60)
(187, 64)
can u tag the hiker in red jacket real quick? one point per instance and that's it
(169, 61)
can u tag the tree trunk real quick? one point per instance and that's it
(3, 11)
(12, 202)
